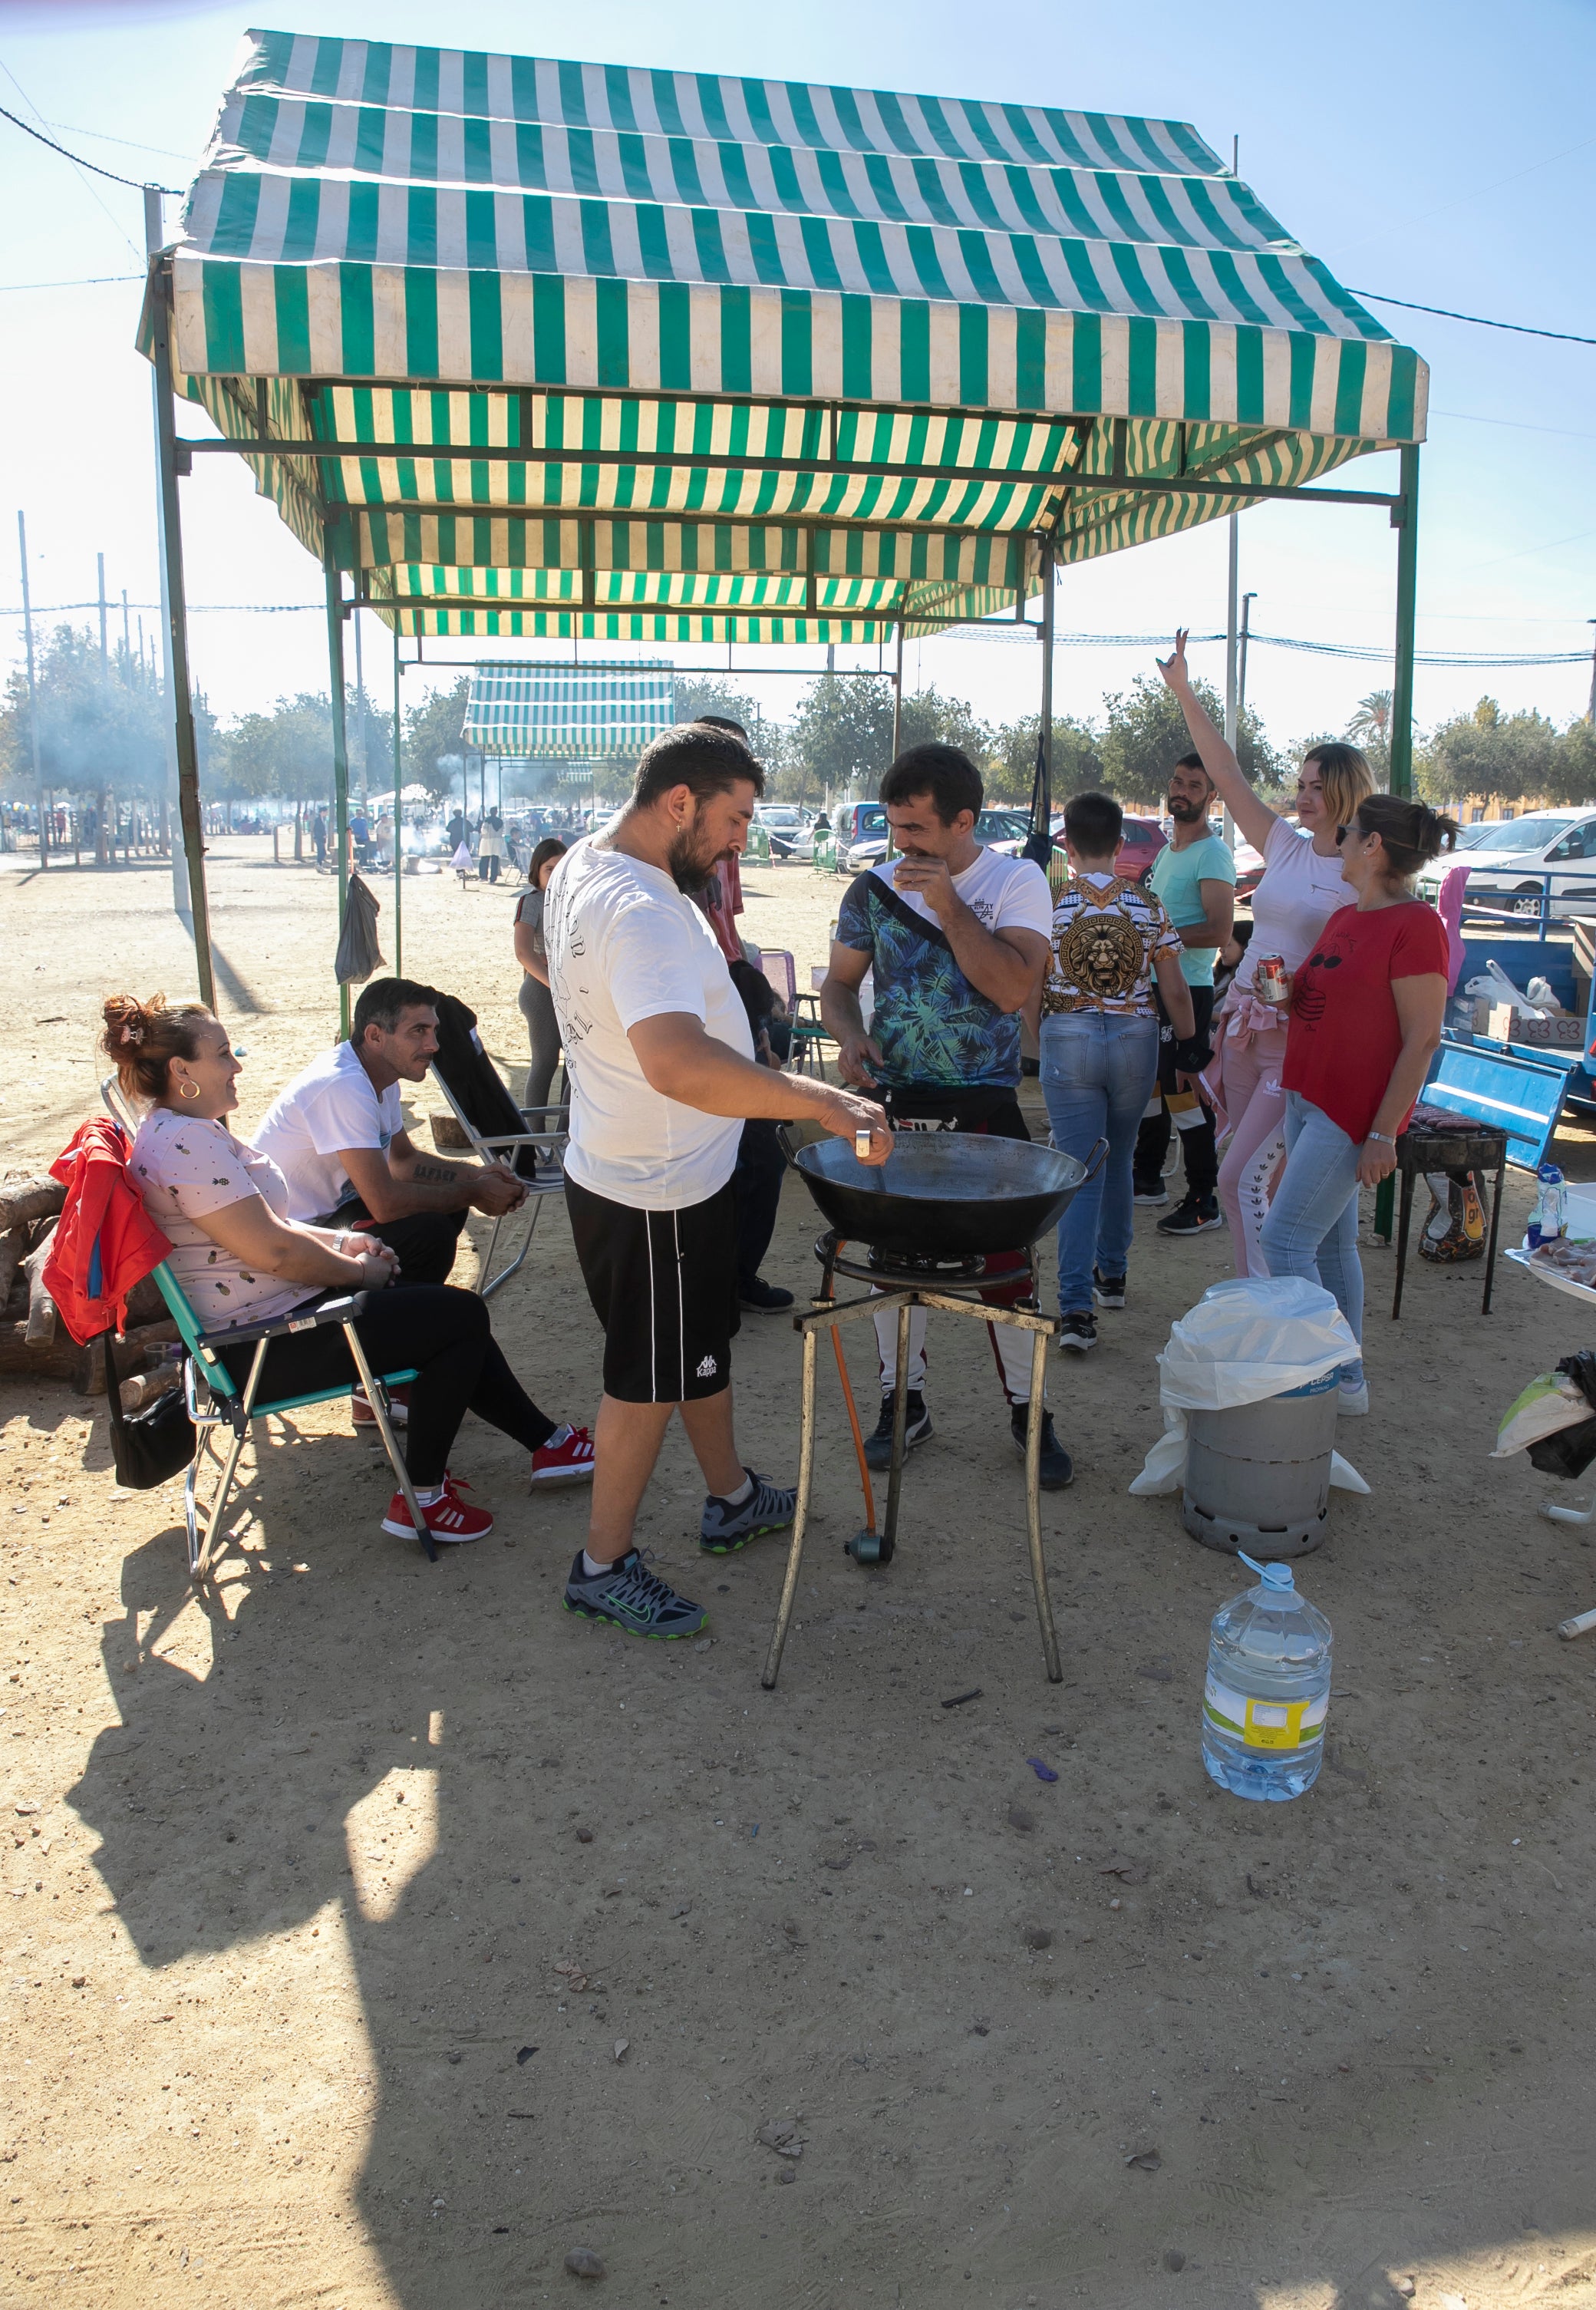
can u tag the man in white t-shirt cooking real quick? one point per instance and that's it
(662, 1072)
(957, 937)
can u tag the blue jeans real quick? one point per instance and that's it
(1097, 1075)
(1312, 1227)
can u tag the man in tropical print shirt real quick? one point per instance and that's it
(956, 938)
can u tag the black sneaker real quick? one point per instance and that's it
(1057, 1468)
(629, 1596)
(763, 1299)
(1195, 1216)
(1078, 1331)
(1108, 1291)
(916, 1427)
(1149, 1191)
(768, 1508)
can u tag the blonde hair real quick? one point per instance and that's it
(1345, 778)
(143, 1039)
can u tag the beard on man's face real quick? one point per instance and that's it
(692, 861)
(1183, 808)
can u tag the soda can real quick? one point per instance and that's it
(1268, 980)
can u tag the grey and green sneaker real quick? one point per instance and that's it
(768, 1508)
(630, 1597)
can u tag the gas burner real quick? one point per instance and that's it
(926, 1267)
(901, 1271)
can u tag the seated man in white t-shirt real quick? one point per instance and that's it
(662, 1076)
(337, 1134)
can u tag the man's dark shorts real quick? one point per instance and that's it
(664, 1285)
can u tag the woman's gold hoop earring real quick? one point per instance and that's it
(188, 1090)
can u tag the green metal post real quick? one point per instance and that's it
(339, 753)
(398, 822)
(179, 700)
(1401, 696)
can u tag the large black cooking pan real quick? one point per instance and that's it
(944, 1194)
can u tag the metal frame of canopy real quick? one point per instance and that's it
(540, 351)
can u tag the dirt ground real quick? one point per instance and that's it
(378, 1934)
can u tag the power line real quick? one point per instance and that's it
(133, 183)
(1562, 336)
(94, 281)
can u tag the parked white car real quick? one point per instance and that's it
(1509, 862)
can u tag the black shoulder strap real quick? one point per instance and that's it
(885, 897)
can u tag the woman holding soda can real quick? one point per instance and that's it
(1301, 887)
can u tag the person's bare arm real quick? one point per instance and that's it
(1218, 914)
(680, 1062)
(407, 1180)
(535, 964)
(1003, 964)
(1253, 816)
(1177, 995)
(269, 1246)
(1422, 1006)
(858, 1054)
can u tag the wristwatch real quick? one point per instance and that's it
(1385, 1140)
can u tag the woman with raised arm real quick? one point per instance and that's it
(1301, 887)
(1366, 1008)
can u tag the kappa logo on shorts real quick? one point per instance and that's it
(706, 1369)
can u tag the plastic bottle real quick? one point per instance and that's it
(1551, 1203)
(1268, 1691)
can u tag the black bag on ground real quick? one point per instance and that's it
(474, 1082)
(154, 1445)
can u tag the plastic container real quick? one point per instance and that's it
(1258, 1475)
(1551, 1203)
(1267, 1694)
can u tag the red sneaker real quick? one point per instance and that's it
(567, 1462)
(398, 1408)
(448, 1519)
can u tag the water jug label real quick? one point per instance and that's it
(1265, 1723)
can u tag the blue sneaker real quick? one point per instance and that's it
(629, 1596)
(726, 1529)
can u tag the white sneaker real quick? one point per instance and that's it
(1354, 1400)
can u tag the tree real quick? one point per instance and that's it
(1011, 760)
(433, 730)
(1146, 735)
(1575, 768)
(1487, 756)
(841, 732)
(100, 727)
(1370, 729)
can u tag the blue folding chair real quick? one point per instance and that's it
(216, 1400)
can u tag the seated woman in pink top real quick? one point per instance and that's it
(1301, 889)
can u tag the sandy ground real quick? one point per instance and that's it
(293, 1869)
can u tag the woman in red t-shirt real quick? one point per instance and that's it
(1366, 1019)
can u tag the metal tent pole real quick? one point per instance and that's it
(897, 691)
(1232, 695)
(154, 235)
(1046, 729)
(1401, 696)
(174, 629)
(44, 837)
(335, 615)
(398, 822)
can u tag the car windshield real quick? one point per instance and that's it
(781, 814)
(1524, 833)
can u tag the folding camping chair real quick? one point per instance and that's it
(216, 1400)
(496, 1129)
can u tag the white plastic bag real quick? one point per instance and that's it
(1251, 1337)
(1163, 1470)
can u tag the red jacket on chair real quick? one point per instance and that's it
(105, 1241)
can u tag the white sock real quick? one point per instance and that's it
(592, 1570)
(560, 1436)
(428, 1495)
(744, 1493)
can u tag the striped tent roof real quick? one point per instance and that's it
(655, 356)
(591, 712)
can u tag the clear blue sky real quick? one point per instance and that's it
(1420, 150)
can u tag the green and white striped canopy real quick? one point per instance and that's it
(662, 356)
(594, 712)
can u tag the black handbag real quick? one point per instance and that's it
(154, 1445)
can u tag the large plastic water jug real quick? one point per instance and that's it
(1267, 1694)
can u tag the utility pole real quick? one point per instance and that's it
(44, 839)
(104, 664)
(127, 644)
(1590, 715)
(1231, 690)
(1247, 601)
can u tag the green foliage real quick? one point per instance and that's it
(1490, 756)
(101, 726)
(432, 731)
(841, 731)
(1574, 772)
(1145, 735)
(1011, 760)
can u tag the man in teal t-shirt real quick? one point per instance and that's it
(1195, 878)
